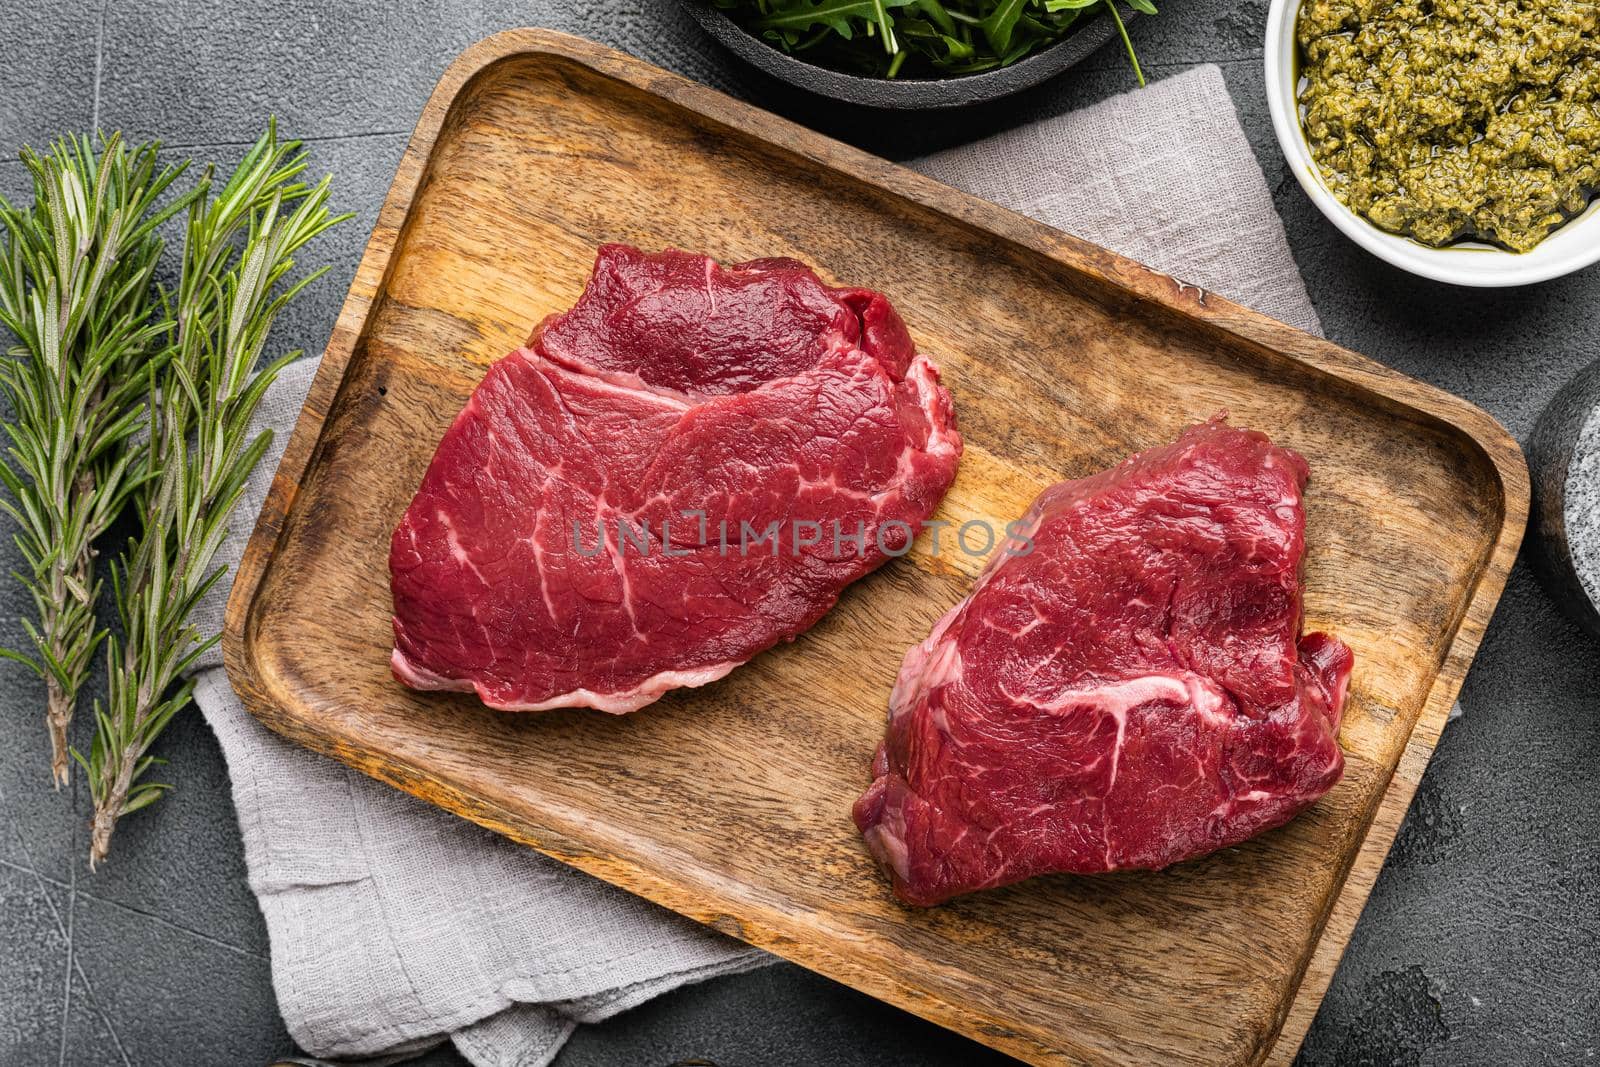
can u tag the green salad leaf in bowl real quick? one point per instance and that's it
(920, 38)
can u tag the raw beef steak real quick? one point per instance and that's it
(590, 532)
(1131, 692)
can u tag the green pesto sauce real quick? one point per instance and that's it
(1454, 120)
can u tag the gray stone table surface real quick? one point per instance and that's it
(1480, 944)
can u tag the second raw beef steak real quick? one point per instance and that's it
(1131, 692)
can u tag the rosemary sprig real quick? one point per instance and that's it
(238, 253)
(75, 274)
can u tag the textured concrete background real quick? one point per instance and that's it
(1480, 944)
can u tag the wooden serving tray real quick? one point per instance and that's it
(731, 804)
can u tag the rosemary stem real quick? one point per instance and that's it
(59, 706)
(104, 823)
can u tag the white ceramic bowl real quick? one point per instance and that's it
(1573, 246)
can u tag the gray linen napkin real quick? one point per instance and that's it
(395, 926)
(1163, 175)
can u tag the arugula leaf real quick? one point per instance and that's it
(925, 37)
(1116, 16)
(833, 14)
(921, 38)
(1001, 22)
(937, 14)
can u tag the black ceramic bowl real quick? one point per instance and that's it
(905, 94)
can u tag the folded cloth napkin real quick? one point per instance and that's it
(395, 926)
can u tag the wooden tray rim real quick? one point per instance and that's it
(1423, 402)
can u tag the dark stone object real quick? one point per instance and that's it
(1564, 458)
(910, 94)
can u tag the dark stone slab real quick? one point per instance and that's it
(33, 961)
(1478, 945)
(47, 81)
(167, 993)
(756, 1019)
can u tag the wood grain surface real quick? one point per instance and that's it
(731, 804)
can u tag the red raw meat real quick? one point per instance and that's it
(753, 394)
(1132, 692)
